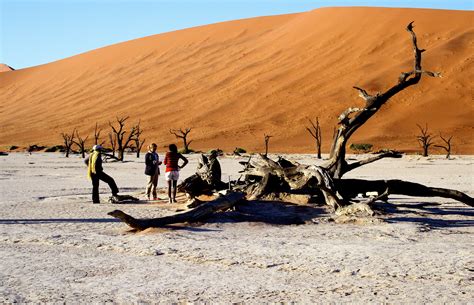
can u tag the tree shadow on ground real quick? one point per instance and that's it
(270, 212)
(428, 214)
(31, 221)
(56, 220)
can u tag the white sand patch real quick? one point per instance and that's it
(57, 246)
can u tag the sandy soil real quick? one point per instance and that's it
(57, 246)
(237, 80)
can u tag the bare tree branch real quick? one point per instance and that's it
(425, 139)
(337, 164)
(446, 147)
(315, 132)
(182, 134)
(388, 154)
(68, 141)
(97, 132)
(138, 143)
(119, 133)
(81, 144)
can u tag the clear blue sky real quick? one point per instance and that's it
(34, 32)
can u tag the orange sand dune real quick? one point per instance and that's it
(237, 80)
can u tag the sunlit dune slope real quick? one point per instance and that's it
(234, 81)
(5, 68)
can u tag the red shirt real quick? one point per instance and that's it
(171, 161)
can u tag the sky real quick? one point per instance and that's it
(34, 32)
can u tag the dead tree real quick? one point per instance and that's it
(81, 144)
(315, 132)
(97, 132)
(122, 138)
(183, 134)
(354, 117)
(265, 177)
(138, 143)
(113, 143)
(267, 140)
(200, 213)
(68, 141)
(447, 146)
(425, 139)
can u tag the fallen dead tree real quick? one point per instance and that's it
(266, 179)
(198, 214)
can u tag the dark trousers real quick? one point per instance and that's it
(95, 185)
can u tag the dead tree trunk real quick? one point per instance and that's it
(113, 143)
(138, 143)
(183, 134)
(267, 140)
(68, 141)
(97, 132)
(81, 144)
(447, 146)
(349, 188)
(353, 118)
(266, 177)
(424, 139)
(198, 214)
(315, 132)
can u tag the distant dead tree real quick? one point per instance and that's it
(425, 139)
(68, 141)
(138, 143)
(113, 143)
(315, 132)
(447, 146)
(267, 139)
(97, 132)
(81, 144)
(122, 138)
(183, 134)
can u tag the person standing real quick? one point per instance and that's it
(172, 170)
(152, 170)
(95, 172)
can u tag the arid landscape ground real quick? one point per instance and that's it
(56, 245)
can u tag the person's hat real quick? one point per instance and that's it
(97, 147)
